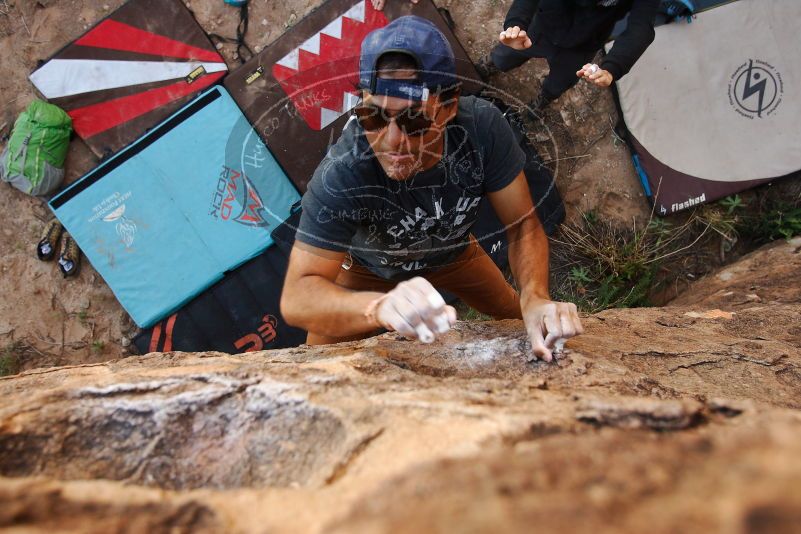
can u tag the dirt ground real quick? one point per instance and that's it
(48, 320)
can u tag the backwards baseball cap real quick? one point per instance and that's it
(424, 43)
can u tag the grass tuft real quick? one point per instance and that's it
(9, 359)
(600, 265)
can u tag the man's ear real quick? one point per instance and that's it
(452, 98)
(451, 103)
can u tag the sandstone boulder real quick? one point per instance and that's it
(767, 275)
(662, 416)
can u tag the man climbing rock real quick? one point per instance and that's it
(387, 215)
(568, 34)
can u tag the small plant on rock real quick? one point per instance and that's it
(9, 359)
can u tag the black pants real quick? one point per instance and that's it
(563, 63)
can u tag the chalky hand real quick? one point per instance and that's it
(414, 309)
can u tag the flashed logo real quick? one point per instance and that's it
(755, 89)
(236, 199)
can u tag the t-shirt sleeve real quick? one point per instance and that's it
(324, 221)
(503, 157)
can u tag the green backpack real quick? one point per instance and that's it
(33, 160)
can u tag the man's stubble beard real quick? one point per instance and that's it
(403, 172)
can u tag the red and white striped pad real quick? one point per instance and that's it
(320, 75)
(129, 72)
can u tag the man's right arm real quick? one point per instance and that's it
(312, 301)
(311, 298)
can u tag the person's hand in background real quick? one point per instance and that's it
(379, 4)
(515, 38)
(594, 74)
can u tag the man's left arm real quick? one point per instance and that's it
(546, 321)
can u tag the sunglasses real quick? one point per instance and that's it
(410, 120)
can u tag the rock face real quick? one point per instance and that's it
(658, 420)
(720, 478)
(765, 276)
(184, 432)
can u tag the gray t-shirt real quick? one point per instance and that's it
(399, 229)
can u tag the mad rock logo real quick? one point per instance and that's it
(267, 332)
(755, 89)
(236, 199)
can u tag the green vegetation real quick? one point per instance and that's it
(466, 313)
(9, 359)
(605, 266)
(732, 203)
(601, 266)
(723, 222)
(782, 220)
(765, 219)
